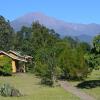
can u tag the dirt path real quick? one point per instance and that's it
(68, 87)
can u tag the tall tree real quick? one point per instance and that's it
(93, 58)
(6, 34)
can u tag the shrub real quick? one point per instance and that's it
(46, 81)
(7, 91)
(89, 84)
(5, 66)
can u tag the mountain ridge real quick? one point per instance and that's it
(60, 26)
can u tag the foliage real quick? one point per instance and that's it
(72, 62)
(93, 58)
(46, 65)
(89, 84)
(96, 44)
(5, 66)
(6, 34)
(53, 57)
(7, 91)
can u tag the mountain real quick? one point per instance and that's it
(82, 31)
(85, 38)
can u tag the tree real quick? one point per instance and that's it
(6, 34)
(72, 62)
(22, 39)
(29, 40)
(93, 58)
(96, 44)
(46, 65)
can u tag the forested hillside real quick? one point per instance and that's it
(53, 57)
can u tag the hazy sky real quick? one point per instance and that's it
(80, 11)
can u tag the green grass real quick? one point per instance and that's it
(95, 75)
(30, 87)
(95, 92)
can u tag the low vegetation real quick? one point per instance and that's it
(5, 66)
(91, 85)
(8, 91)
(29, 85)
(95, 92)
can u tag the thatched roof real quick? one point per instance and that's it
(16, 53)
(17, 57)
(19, 54)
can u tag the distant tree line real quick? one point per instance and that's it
(53, 57)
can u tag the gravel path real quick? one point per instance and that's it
(68, 87)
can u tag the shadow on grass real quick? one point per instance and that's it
(89, 84)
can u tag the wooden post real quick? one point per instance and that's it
(13, 66)
(24, 69)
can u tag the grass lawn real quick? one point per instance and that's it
(30, 87)
(95, 92)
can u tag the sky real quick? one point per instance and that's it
(77, 11)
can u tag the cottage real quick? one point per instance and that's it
(18, 61)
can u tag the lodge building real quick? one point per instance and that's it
(18, 61)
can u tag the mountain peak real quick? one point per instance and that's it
(61, 27)
(31, 14)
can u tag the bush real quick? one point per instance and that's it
(5, 66)
(89, 84)
(46, 81)
(7, 91)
